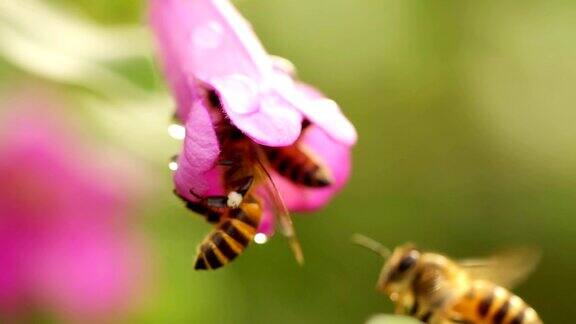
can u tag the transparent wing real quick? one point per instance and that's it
(280, 210)
(507, 268)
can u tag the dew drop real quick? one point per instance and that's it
(173, 166)
(177, 131)
(260, 238)
(208, 36)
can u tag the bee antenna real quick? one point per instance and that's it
(371, 244)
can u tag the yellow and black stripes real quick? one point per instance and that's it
(296, 165)
(217, 250)
(486, 303)
(230, 237)
(502, 312)
(519, 318)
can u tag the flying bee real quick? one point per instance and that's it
(438, 290)
(249, 187)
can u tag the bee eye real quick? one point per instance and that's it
(406, 263)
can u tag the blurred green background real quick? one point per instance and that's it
(466, 116)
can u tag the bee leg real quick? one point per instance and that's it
(232, 200)
(244, 185)
(427, 317)
(404, 302)
(399, 308)
(211, 215)
(414, 308)
(227, 163)
(236, 197)
(214, 202)
(456, 318)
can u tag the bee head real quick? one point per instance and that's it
(399, 269)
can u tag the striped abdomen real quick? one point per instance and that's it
(298, 166)
(230, 237)
(486, 303)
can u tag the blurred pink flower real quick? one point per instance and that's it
(207, 46)
(65, 246)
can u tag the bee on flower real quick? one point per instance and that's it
(258, 143)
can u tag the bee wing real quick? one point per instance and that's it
(433, 286)
(507, 268)
(280, 210)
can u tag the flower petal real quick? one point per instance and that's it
(336, 156)
(221, 42)
(208, 39)
(326, 114)
(169, 21)
(199, 155)
(266, 118)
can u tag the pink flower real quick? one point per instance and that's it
(208, 48)
(65, 246)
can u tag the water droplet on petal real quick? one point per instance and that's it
(208, 36)
(173, 166)
(177, 131)
(260, 238)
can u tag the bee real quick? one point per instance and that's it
(438, 290)
(298, 164)
(249, 186)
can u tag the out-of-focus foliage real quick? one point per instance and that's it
(467, 144)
